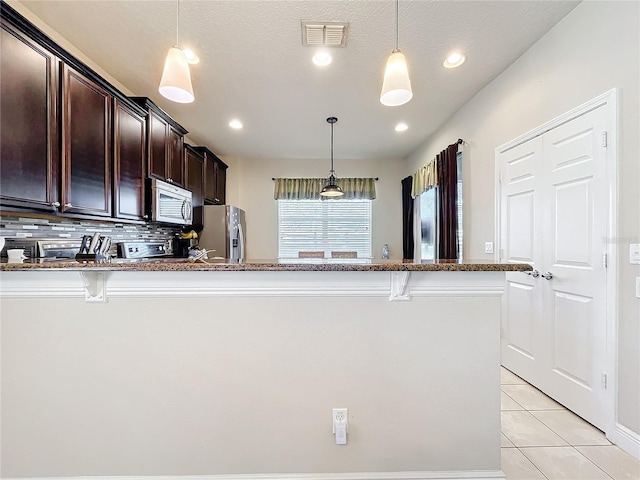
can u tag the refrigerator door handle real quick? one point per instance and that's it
(241, 242)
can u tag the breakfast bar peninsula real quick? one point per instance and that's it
(232, 370)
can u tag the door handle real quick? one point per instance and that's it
(534, 273)
(547, 276)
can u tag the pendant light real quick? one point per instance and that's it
(396, 86)
(176, 78)
(332, 189)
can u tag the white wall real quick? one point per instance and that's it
(250, 186)
(594, 49)
(206, 381)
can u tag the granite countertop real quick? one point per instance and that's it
(186, 265)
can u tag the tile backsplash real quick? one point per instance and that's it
(37, 228)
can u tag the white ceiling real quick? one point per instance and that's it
(253, 65)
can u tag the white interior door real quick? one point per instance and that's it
(554, 211)
(521, 242)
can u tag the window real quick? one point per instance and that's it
(324, 225)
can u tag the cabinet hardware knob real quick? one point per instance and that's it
(534, 273)
(68, 205)
(55, 204)
(145, 216)
(547, 276)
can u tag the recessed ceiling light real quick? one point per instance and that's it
(237, 124)
(190, 56)
(322, 58)
(454, 59)
(401, 127)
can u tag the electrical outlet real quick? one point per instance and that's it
(488, 247)
(339, 416)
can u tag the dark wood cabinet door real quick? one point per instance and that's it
(86, 145)
(176, 157)
(29, 149)
(129, 154)
(194, 182)
(221, 183)
(209, 180)
(157, 144)
(215, 178)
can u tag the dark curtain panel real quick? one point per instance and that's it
(407, 219)
(447, 195)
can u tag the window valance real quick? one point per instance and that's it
(310, 188)
(425, 178)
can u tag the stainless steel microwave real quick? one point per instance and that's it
(170, 204)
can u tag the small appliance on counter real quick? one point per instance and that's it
(184, 242)
(46, 248)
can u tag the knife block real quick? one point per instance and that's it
(91, 257)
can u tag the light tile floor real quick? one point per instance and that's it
(542, 440)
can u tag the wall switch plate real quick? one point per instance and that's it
(634, 253)
(488, 247)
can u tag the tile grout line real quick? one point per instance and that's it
(511, 398)
(533, 463)
(560, 435)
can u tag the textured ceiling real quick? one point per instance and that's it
(254, 67)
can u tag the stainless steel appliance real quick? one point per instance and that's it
(170, 204)
(136, 250)
(224, 232)
(50, 248)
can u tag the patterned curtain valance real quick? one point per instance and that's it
(425, 178)
(310, 188)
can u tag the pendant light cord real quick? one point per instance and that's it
(397, 24)
(177, 22)
(332, 148)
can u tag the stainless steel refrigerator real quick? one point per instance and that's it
(224, 231)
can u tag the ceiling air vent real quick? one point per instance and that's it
(324, 34)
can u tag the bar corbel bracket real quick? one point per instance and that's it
(94, 287)
(400, 287)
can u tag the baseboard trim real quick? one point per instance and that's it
(626, 439)
(426, 475)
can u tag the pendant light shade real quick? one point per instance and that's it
(175, 83)
(176, 78)
(396, 86)
(332, 189)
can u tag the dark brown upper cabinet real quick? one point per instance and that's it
(215, 177)
(129, 157)
(194, 181)
(165, 143)
(86, 145)
(29, 152)
(175, 156)
(61, 153)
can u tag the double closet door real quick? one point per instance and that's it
(553, 214)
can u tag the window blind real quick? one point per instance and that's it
(329, 226)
